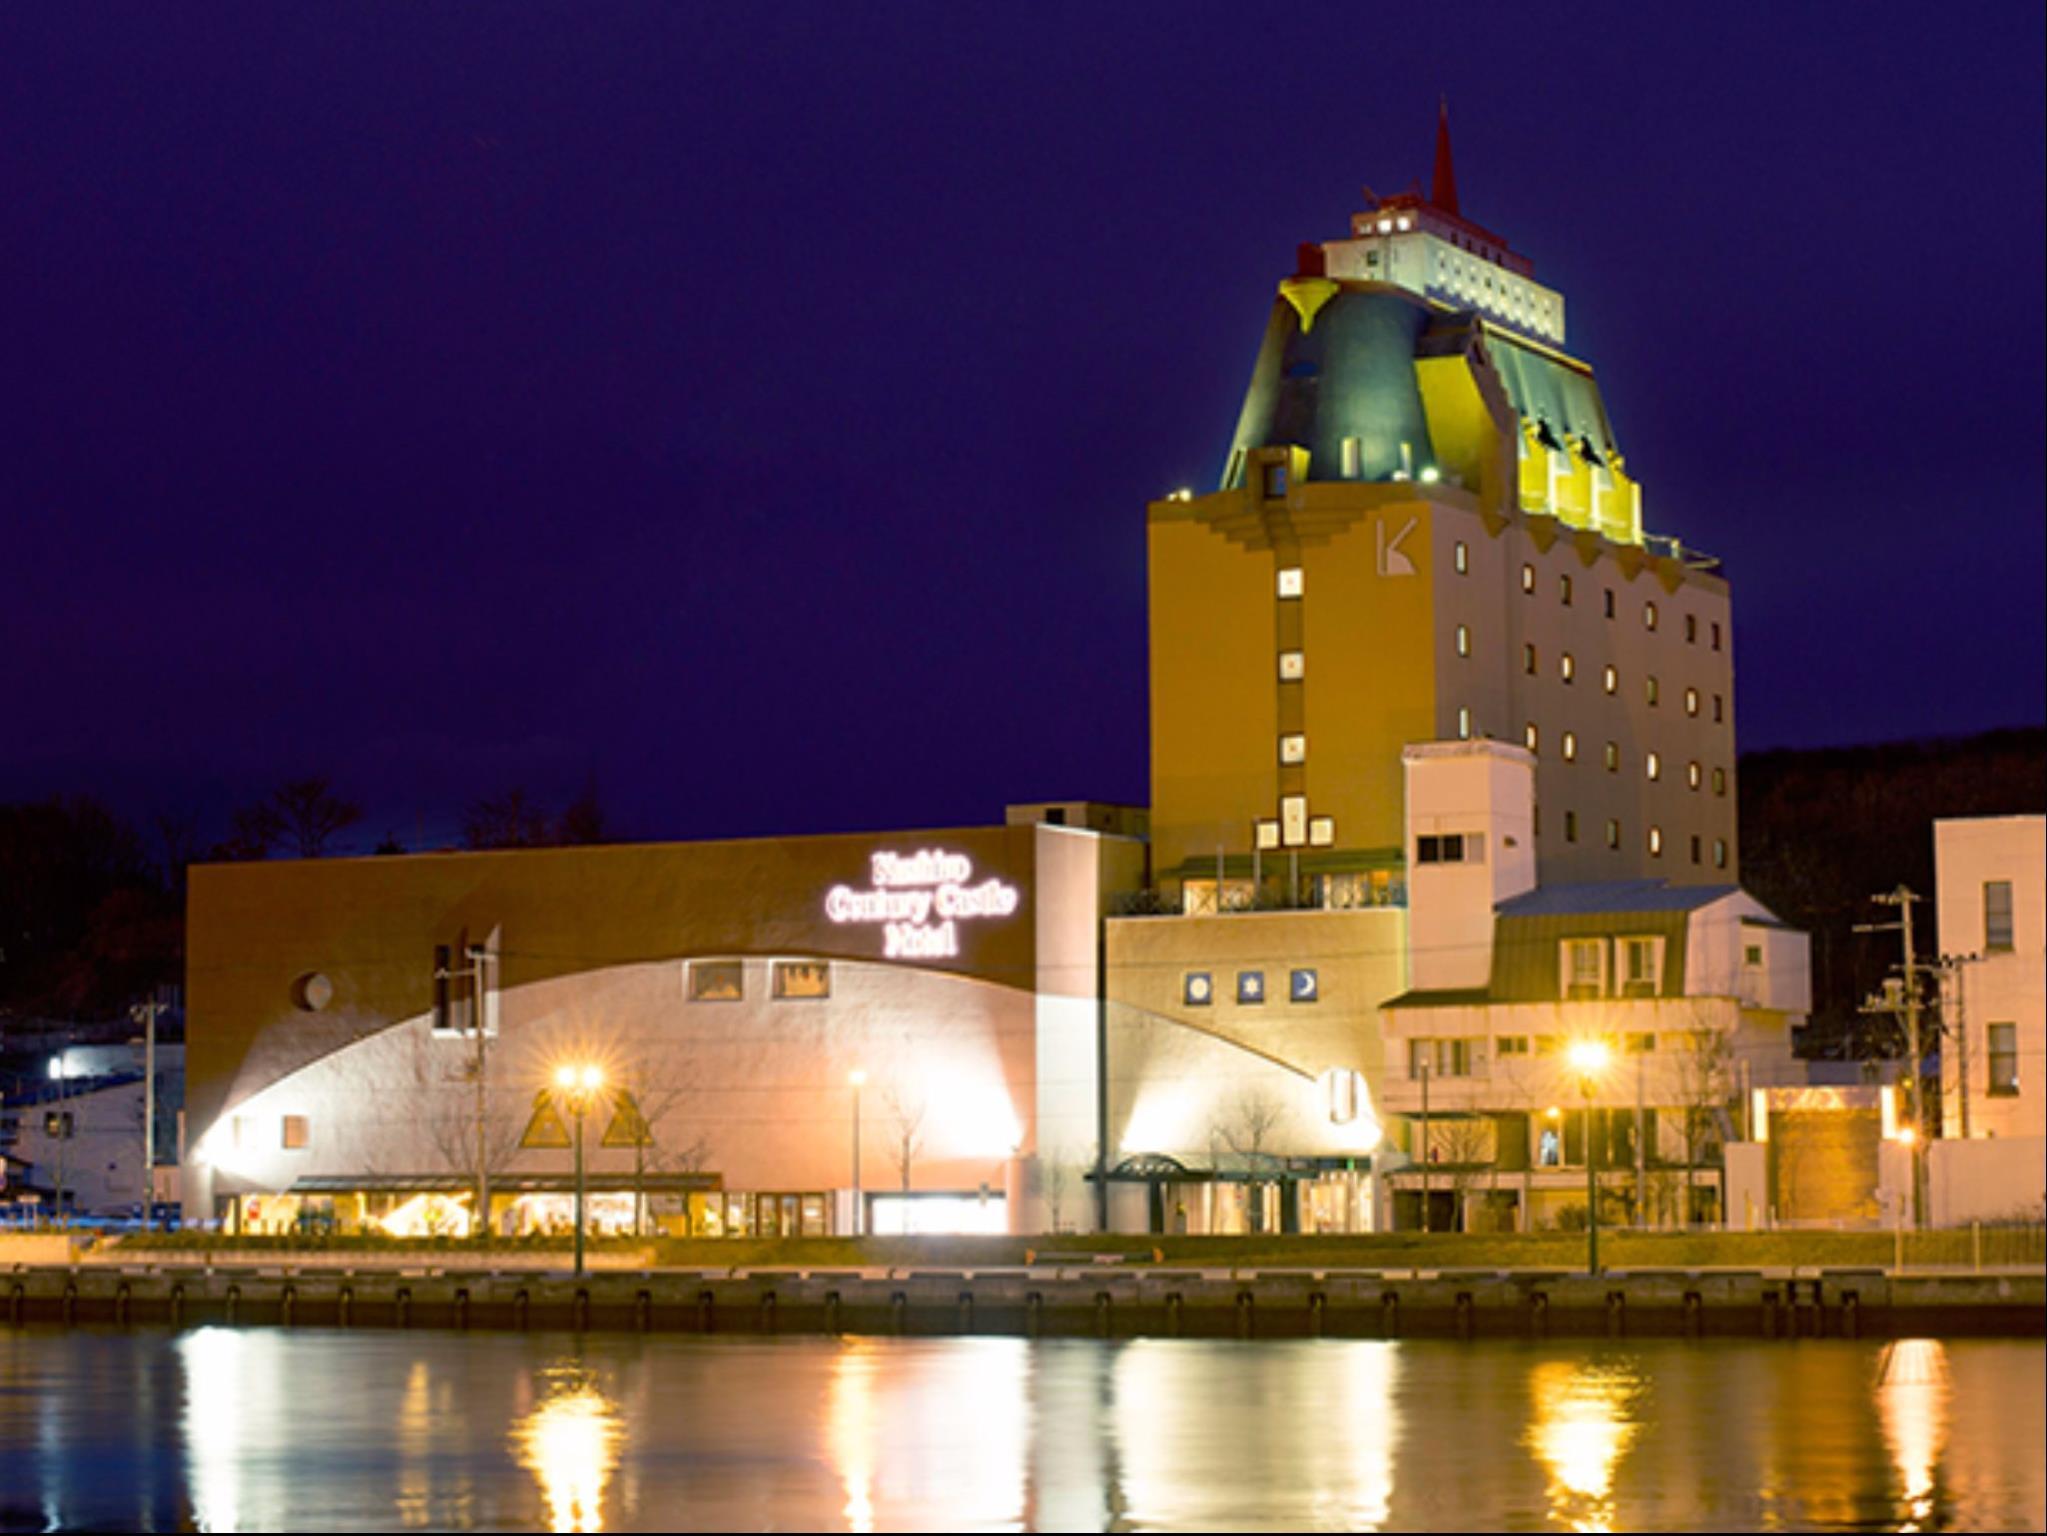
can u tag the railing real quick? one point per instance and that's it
(1153, 901)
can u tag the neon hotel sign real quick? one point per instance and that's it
(920, 899)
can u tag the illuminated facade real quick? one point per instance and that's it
(1426, 530)
(1413, 661)
(748, 1003)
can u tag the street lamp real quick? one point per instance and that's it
(855, 1079)
(580, 1085)
(1588, 1059)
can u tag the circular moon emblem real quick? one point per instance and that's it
(312, 992)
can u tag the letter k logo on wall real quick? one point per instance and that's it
(1392, 561)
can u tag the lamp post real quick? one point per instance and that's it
(855, 1079)
(580, 1085)
(1589, 1058)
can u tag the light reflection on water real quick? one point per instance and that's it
(1585, 1415)
(220, 1429)
(569, 1441)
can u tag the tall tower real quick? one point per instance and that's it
(1426, 530)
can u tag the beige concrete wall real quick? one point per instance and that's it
(1997, 1179)
(2005, 987)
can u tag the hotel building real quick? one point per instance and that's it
(1422, 689)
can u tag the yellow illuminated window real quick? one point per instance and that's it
(1527, 578)
(1720, 781)
(1567, 667)
(1463, 558)
(298, 1133)
(803, 978)
(1293, 749)
(1570, 746)
(1613, 757)
(1612, 679)
(1656, 842)
(1691, 701)
(1653, 692)
(1464, 725)
(1653, 765)
(1529, 736)
(716, 981)
(1692, 775)
(1463, 639)
(1290, 582)
(1648, 615)
(1293, 666)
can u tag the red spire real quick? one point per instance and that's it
(1443, 188)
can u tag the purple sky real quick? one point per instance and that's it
(755, 410)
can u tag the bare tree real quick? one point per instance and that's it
(641, 1110)
(510, 820)
(906, 1119)
(1466, 1145)
(254, 832)
(1248, 1130)
(447, 1090)
(310, 814)
(1704, 1072)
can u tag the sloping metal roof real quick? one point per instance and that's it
(1613, 896)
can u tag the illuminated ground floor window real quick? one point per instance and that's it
(915, 1215)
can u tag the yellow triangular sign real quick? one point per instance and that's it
(545, 1129)
(628, 1127)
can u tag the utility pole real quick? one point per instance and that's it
(1427, 1046)
(1957, 1025)
(1903, 898)
(145, 1014)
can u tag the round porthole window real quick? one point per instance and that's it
(312, 992)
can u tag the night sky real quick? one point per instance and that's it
(753, 410)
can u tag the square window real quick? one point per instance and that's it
(1293, 666)
(1197, 989)
(1275, 480)
(716, 981)
(1511, 1045)
(298, 1133)
(802, 978)
(1641, 1042)
(1293, 749)
(1290, 581)
(1268, 834)
(1322, 832)
(1250, 987)
(1301, 985)
(1584, 968)
(1752, 954)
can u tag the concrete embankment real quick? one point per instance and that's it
(1089, 1300)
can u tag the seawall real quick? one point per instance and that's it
(1083, 1300)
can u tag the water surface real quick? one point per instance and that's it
(268, 1429)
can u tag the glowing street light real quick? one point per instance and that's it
(1589, 1058)
(855, 1079)
(580, 1086)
